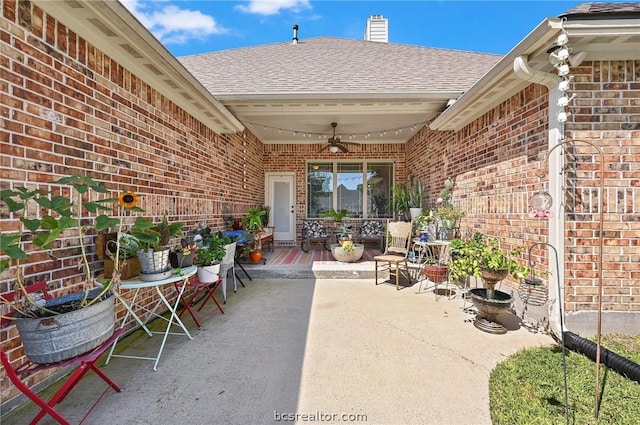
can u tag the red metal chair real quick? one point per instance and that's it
(198, 287)
(85, 362)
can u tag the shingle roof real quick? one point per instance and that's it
(595, 10)
(337, 65)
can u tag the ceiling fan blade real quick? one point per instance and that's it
(342, 147)
(325, 148)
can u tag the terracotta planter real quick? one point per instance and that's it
(255, 256)
(436, 273)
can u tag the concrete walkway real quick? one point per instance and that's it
(328, 350)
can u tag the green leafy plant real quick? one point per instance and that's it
(415, 192)
(213, 252)
(61, 211)
(400, 198)
(155, 236)
(449, 216)
(253, 219)
(336, 215)
(470, 256)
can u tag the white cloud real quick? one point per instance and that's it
(273, 7)
(172, 24)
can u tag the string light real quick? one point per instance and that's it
(352, 136)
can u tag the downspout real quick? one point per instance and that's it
(556, 223)
(574, 342)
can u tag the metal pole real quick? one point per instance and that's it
(600, 245)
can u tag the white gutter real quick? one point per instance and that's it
(556, 223)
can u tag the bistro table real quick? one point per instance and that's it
(180, 279)
(430, 251)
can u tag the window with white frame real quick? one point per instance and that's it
(361, 188)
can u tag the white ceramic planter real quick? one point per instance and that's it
(208, 274)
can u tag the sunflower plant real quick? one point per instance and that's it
(45, 216)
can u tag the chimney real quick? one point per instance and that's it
(377, 29)
(295, 34)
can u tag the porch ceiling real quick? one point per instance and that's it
(392, 119)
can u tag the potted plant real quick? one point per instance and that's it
(448, 218)
(182, 254)
(253, 220)
(345, 233)
(415, 193)
(208, 258)
(422, 225)
(108, 246)
(154, 249)
(84, 319)
(337, 216)
(435, 272)
(400, 200)
(482, 256)
(348, 252)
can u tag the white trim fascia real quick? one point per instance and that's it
(110, 27)
(335, 96)
(542, 34)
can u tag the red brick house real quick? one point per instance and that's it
(86, 89)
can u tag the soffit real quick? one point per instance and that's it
(110, 27)
(599, 39)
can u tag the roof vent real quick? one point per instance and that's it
(295, 34)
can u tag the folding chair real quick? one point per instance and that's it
(313, 231)
(228, 263)
(198, 287)
(85, 362)
(394, 258)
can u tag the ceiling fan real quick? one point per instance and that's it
(335, 144)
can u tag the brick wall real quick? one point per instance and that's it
(497, 162)
(294, 158)
(69, 109)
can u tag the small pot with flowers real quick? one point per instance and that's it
(182, 255)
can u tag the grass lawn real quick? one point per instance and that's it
(528, 387)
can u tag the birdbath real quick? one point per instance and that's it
(490, 303)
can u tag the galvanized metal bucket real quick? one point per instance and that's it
(67, 335)
(152, 262)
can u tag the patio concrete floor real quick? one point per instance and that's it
(319, 347)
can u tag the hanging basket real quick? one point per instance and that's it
(533, 291)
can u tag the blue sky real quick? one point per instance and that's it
(192, 27)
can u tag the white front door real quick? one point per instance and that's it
(281, 198)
